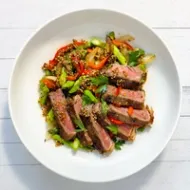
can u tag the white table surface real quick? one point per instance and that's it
(170, 19)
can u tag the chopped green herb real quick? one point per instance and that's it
(104, 107)
(141, 129)
(101, 89)
(68, 84)
(118, 143)
(113, 129)
(78, 122)
(134, 56)
(111, 35)
(86, 100)
(91, 96)
(100, 80)
(58, 138)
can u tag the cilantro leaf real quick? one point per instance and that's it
(118, 143)
(86, 100)
(134, 56)
(99, 80)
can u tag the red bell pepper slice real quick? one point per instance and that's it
(115, 121)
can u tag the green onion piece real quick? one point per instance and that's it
(91, 96)
(76, 144)
(68, 84)
(97, 42)
(75, 87)
(77, 84)
(119, 55)
(50, 116)
(62, 78)
(147, 59)
(78, 122)
(113, 129)
(44, 90)
(53, 131)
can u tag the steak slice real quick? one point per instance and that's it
(74, 107)
(58, 102)
(125, 97)
(138, 118)
(125, 131)
(100, 137)
(125, 77)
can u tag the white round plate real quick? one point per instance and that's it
(163, 93)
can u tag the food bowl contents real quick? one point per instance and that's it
(92, 93)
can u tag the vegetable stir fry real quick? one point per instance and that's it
(91, 93)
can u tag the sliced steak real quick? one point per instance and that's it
(138, 118)
(124, 97)
(74, 107)
(99, 136)
(125, 131)
(125, 77)
(58, 102)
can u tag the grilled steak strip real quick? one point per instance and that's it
(125, 131)
(138, 118)
(58, 102)
(125, 97)
(125, 77)
(74, 107)
(100, 137)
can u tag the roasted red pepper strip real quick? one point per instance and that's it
(130, 111)
(117, 42)
(124, 43)
(99, 65)
(79, 43)
(118, 90)
(73, 77)
(128, 45)
(49, 83)
(81, 65)
(86, 72)
(115, 121)
(63, 49)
